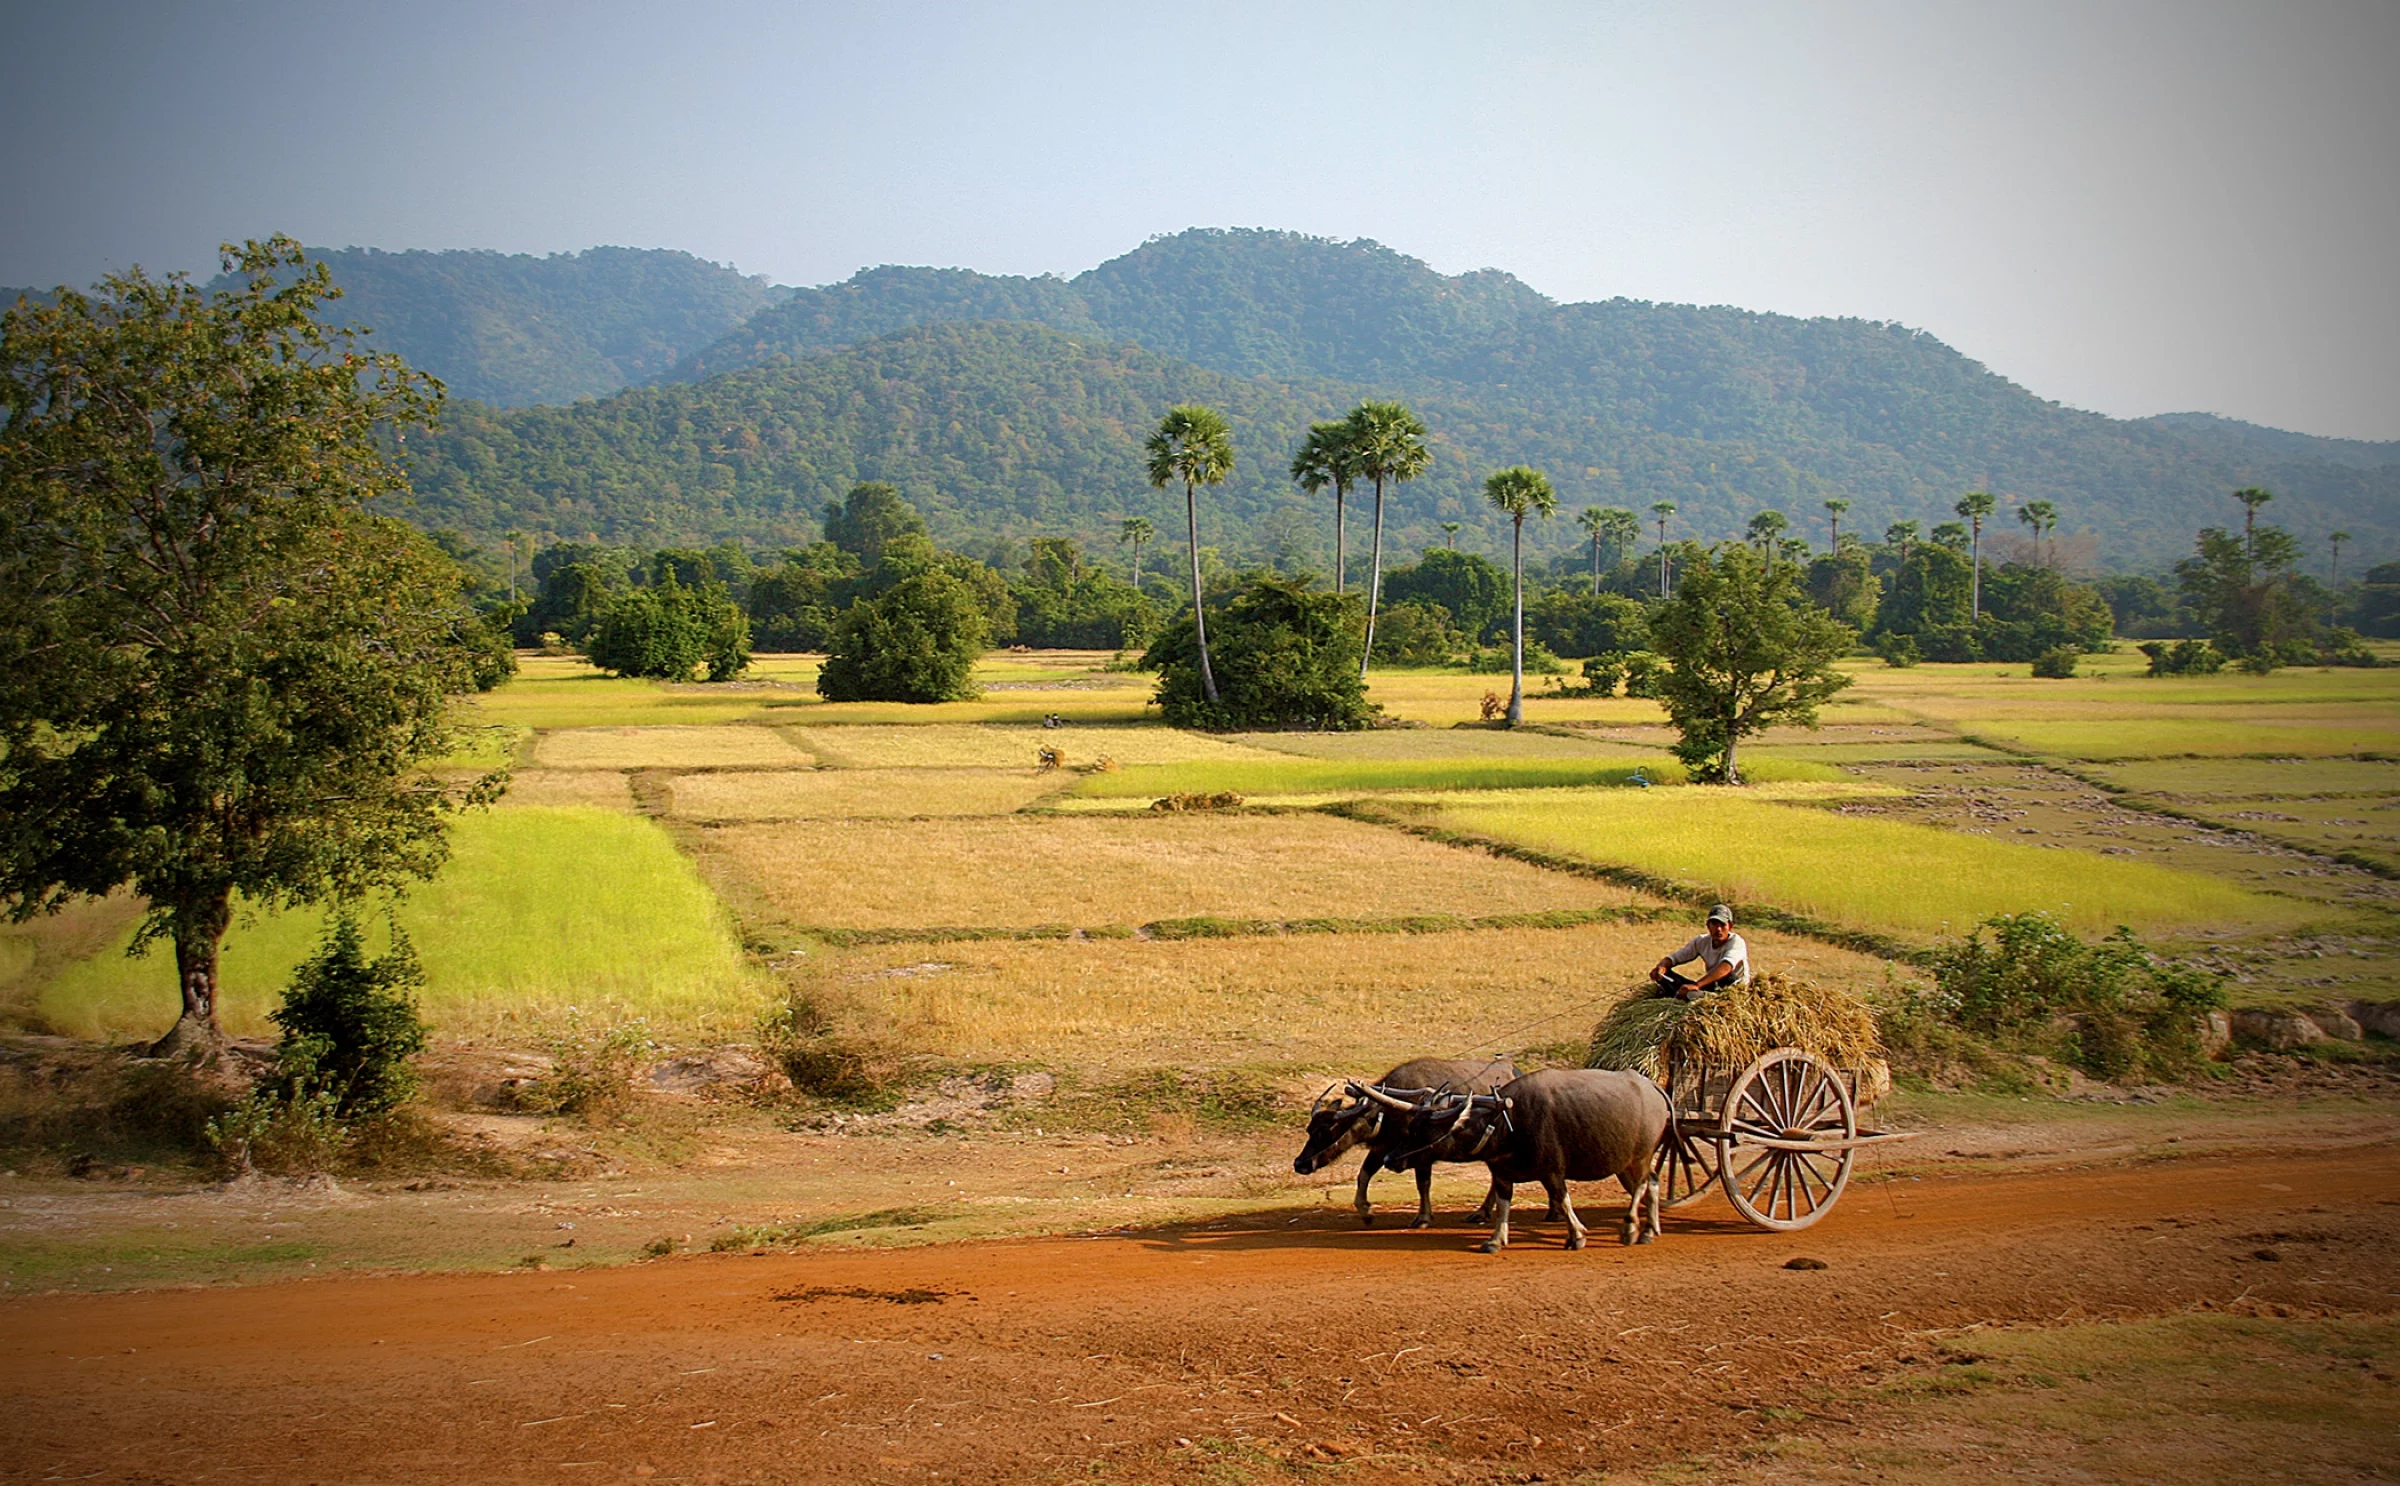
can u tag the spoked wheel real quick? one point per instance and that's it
(1687, 1167)
(1777, 1106)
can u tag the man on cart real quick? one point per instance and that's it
(1721, 955)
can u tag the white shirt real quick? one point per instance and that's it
(1711, 955)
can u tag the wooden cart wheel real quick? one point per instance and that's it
(1788, 1095)
(1687, 1167)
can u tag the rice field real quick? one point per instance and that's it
(940, 745)
(1889, 876)
(600, 789)
(2191, 737)
(668, 748)
(539, 910)
(797, 794)
(1335, 1003)
(1428, 743)
(2255, 778)
(1099, 871)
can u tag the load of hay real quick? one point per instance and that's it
(1730, 1028)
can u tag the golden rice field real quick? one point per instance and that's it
(1094, 871)
(2203, 737)
(794, 794)
(1354, 1003)
(940, 745)
(1917, 881)
(603, 789)
(669, 748)
(1430, 743)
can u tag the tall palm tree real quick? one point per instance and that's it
(2251, 500)
(1388, 441)
(1327, 458)
(1136, 530)
(1192, 445)
(1903, 535)
(1834, 508)
(1975, 505)
(1661, 510)
(1521, 492)
(1450, 535)
(2333, 577)
(2042, 516)
(1594, 522)
(516, 545)
(1766, 529)
(1624, 529)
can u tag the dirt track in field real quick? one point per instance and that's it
(1165, 1354)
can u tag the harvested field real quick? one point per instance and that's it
(936, 745)
(2255, 778)
(1089, 871)
(1428, 743)
(793, 794)
(604, 789)
(2198, 737)
(668, 748)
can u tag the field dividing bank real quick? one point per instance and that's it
(1886, 877)
(1030, 871)
(539, 909)
(949, 745)
(1334, 777)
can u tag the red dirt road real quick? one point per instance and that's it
(1144, 1356)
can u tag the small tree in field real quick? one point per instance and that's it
(1291, 661)
(219, 673)
(1749, 652)
(917, 642)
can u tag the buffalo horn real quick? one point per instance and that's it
(1388, 1101)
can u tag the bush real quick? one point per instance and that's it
(1643, 672)
(1499, 661)
(1587, 624)
(1417, 634)
(2182, 657)
(591, 1068)
(1898, 651)
(284, 1130)
(350, 1025)
(1284, 657)
(2056, 663)
(667, 631)
(831, 1049)
(2111, 1008)
(917, 642)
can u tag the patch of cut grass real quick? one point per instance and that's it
(1881, 875)
(2255, 778)
(538, 910)
(940, 745)
(794, 794)
(668, 748)
(603, 789)
(1024, 871)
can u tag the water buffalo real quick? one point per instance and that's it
(1552, 1127)
(1334, 1127)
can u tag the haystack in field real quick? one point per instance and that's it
(1730, 1028)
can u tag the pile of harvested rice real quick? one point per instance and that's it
(1730, 1028)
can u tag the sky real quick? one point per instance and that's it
(2130, 207)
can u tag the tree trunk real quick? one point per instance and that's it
(1339, 582)
(1595, 567)
(1975, 559)
(1733, 740)
(1516, 690)
(199, 930)
(1191, 523)
(1374, 583)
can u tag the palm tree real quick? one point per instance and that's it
(2042, 516)
(1388, 442)
(1624, 529)
(1765, 529)
(2333, 578)
(1193, 445)
(1903, 535)
(1833, 510)
(2251, 500)
(1136, 530)
(1662, 510)
(1521, 491)
(1594, 522)
(1450, 535)
(1326, 458)
(516, 544)
(1975, 505)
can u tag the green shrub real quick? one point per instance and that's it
(2182, 657)
(916, 642)
(1499, 660)
(349, 1023)
(832, 1049)
(1417, 634)
(2057, 663)
(1898, 651)
(667, 631)
(286, 1129)
(591, 1067)
(1283, 656)
(1587, 624)
(1643, 672)
(2112, 1007)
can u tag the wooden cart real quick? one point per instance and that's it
(1779, 1136)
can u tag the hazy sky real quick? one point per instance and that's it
(2137, 208)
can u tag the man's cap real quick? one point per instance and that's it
(1721, 914)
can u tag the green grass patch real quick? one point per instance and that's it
(1302, 776)
(2255, 779)
(2186, 737)
(1880, 875)
(538, 910)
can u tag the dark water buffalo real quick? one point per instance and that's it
(1334, 1127)
(1554, 1127)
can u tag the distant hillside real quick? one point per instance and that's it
(2235, 436)
(514, 330)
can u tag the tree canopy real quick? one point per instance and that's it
(1748, 651)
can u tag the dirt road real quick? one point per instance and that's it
(1165, 1354)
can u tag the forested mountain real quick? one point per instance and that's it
(1015, 406)
(514, 330)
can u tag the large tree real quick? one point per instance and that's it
(1193, 445)
(1749, 652)
(1327, 457)
(1974, 506)
(1520, 491)
(1387, 441)
(220, 672)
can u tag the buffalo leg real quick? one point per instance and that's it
(1558, 1200)
(1502, 1191)
(1366, 1174)
(1424, 1195)
(1491, 1196)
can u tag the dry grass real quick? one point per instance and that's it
(1330, 1002)
(604, 788)
(1090, 871)
(2255, 778)
(1476, 744)
(2203, 737)
(798, 794)
(962, 746)
(668, 748)
(1730, 1028)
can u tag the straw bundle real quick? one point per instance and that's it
(1729, 1028)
